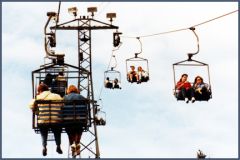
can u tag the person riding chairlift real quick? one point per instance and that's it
(184, 89)
(201, 89)
(142, 75)
(108, 83)
(132, 75)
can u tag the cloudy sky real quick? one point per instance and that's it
(142, 120)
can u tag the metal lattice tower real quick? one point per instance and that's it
(84, 25)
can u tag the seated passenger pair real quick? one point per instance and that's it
(137, 76)
(109, 84)
(45, 118)
(198, 91)
(56, 83)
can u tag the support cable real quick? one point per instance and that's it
(182, 29)
(100, 93)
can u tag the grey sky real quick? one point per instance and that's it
(142, 120)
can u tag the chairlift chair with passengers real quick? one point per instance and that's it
(189, 64)
(137, 68)
(112, 77)
(100, 115)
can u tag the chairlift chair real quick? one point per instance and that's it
(112, 79)
(137, 68)
(71, 74)
(100, 118)
(190, 63)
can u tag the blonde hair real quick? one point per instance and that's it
(72, 89)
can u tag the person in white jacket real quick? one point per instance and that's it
(45, 117)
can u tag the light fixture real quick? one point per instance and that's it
(111, 16)
(52, 15)
(92, 10)
(73, 11)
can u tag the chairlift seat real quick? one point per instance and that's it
(112, 75)
(137, 62)
(53, 113)
(190, 63)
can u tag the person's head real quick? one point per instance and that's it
(140, 68)
(184, 77)
(72, 89)
(115, 80)
(107, 78)
(198, 80)
(132, 68)
(60, 74)
(42, 87)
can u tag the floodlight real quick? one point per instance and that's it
(111, 16)
(52, 15)
(73, 11)
(92, 10)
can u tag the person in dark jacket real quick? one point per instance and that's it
(201, 89)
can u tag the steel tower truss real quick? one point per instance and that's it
(84, 25)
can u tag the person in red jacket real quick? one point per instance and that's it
(185, 89)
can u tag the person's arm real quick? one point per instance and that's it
(32, 105)
(179, 85)
(206, 86)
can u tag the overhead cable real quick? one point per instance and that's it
(181, 29)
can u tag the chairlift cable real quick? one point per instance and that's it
(182, 29)
(100, 93)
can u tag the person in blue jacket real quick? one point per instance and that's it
(74, 130)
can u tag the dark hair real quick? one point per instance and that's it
(195, 80)
(183, 76)
(42, 87)
(61, 73)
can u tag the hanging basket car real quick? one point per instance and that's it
(198, 90)
(137, 68)
(56, 77)
(100, 118)
(112, 79)
(192, 68)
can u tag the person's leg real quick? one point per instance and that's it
(184, 94)
(191, 94)
(57, 134)
(205, 94)
(44, 134)
(71, 137)
(78, 136)
(131, 77)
